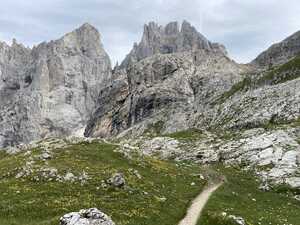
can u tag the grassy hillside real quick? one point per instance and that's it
(240, 196)
(161, 196)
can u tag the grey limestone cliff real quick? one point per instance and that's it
(178, 79)
(51, 89)
(169, 76)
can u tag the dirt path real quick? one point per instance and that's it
(194, 211)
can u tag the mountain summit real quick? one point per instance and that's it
(51, 90)
(169, 39)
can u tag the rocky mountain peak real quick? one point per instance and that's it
(52, 89)
(280, 53)
(169, 39)
(87, 38)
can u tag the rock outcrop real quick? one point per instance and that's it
(52, 89)
(273, 154)
(91, 216)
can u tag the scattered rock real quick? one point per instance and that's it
(297, 197)
(237, 219)
(137, 174)
(264, 187)
(69, 177)
(117, 180)
(46, 156)
(165, 147)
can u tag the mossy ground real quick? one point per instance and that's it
(187, 135)
(240, 196)
(28, 202)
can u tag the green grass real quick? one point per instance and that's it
(187, 135)
(240, 196)
(29, 202)
(3, 154)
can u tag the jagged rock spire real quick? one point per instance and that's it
(169, 39)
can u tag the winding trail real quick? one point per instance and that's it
(194, 211)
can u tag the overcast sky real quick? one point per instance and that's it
(245, 27)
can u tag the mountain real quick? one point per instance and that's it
(174, 77)
(51, 89)
(176, 115)
(196, 85)
(168, 77)
(280, 53)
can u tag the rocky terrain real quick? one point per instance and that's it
(176, 98)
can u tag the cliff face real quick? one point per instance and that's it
(50, 90)
(171, 75)
(280, 53)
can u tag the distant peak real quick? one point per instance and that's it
(168, 39)
(87, 26)
(185, 23)
(172, 28)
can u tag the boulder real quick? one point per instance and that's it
(117, 180)
(91, 216)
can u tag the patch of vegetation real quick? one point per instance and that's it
(296, 123)
(219, 219)
(240, 196)
(284, 73)
(160, 197)
(277, 123)
(286, 189)
(243, 85)
(187, 135)
(3, 154)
